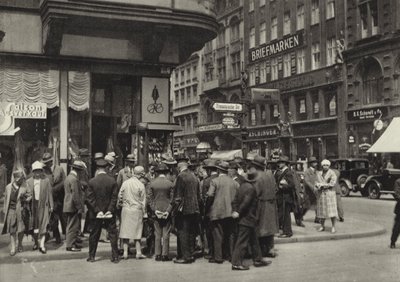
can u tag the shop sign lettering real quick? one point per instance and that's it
(24, 110)
(280, 46)
(218, 126)
(366, 114)
(262, 133)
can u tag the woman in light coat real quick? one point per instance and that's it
(326, 195)
(15, 193)
(132, 198)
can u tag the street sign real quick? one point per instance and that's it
(228, 121)
(264, 95)
(227, 107)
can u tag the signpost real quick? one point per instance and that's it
(227, 107)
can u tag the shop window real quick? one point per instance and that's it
(301, 61)
(314, 12)
(274, 69)
(286, 23)
(330, 9)
(252, 39)
(300, 17)
(287, 65)
(316, 56)
(330, 51)
(263, 33)
(274, 28)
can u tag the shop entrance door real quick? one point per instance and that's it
(101, 131)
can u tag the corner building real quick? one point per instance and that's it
(295, 47)
(95, 72)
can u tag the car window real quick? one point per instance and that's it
(359, 165)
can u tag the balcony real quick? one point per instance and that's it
(167, 31)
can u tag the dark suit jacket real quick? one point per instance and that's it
(102, 194)
(287, 193)
(397, 196)
(161, 192)
(73, 194)
(187, 193)
(245, 203)
(56, 178)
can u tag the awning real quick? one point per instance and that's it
(159, 126)
(251, 155)
(203, 147)
(389, 142)
(227, 155)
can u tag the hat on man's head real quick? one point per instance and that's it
(47, 157)
(18, 174)
(79, 165)
(283, 159)
(130, 158)
(183, 164)
(83, 152)
(110, 159)
(98, 155)
(37, 166)
(113, 154)
(139, 171)
(312, 160)
(182, 157)
(170, 161)
(259, 162)
(210, 163)
(102, 163)
(223, 166)
(162, 167)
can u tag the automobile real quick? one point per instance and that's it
(383, 183)
(353, 174)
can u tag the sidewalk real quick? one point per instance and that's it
(350, 229)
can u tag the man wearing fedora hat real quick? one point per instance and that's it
(126, 173)
(73, 205)
(161, 192)
(102, 196)
(56, 176)
(285, 196)
(171, 163)
(220, 196)
(268, 224)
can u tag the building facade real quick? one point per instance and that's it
(94, 74)
(295, 49)
(373, 72)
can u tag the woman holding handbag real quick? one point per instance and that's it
(326, 195)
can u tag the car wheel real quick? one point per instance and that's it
(344, 189)
(373, 191)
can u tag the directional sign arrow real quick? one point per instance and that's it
(227, 107)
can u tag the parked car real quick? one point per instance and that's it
(353, 174)
(376, 185)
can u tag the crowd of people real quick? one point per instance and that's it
(224, 211)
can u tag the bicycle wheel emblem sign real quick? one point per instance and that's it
(155, 108)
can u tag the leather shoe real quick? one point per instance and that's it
(262, 263)
(240, 267)
(20, 249)
(212, 260)
(165, 258)
(271, 255)
(285, 235)
(207, 256)
(182, 261)
(114, 260)
(393, 245)
(90, 259)
(73, 249)
(35, 247)
(78, 240)
(158, 258)
(341, 219)
(42, 250)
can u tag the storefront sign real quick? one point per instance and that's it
(155, 100)
(190, 141)
(277, 47)
(227, 107)
(229, 121)
(264, 95)
(263, 133)
(367, 114)
(306, 129)
(24, 110)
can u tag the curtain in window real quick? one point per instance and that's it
(79, 90)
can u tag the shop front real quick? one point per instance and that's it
(263, 141)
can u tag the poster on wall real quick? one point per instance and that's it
(155, 100)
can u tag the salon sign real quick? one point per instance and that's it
(23, 110)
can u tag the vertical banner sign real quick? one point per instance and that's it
(155, 100)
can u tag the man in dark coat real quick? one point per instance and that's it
(73, 206)
(102, 199)
(245, 211)
(56, 176)
(285, 196)
(186, 205)
(396, 226)
(220, 196)
(268, 224)
(212, 172)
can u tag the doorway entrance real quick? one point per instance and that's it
(101, 131)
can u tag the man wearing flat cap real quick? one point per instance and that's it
(268, 224)
(127, 172)
(285, 196)
(220, 196)
(73, 205)
(102, 199)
